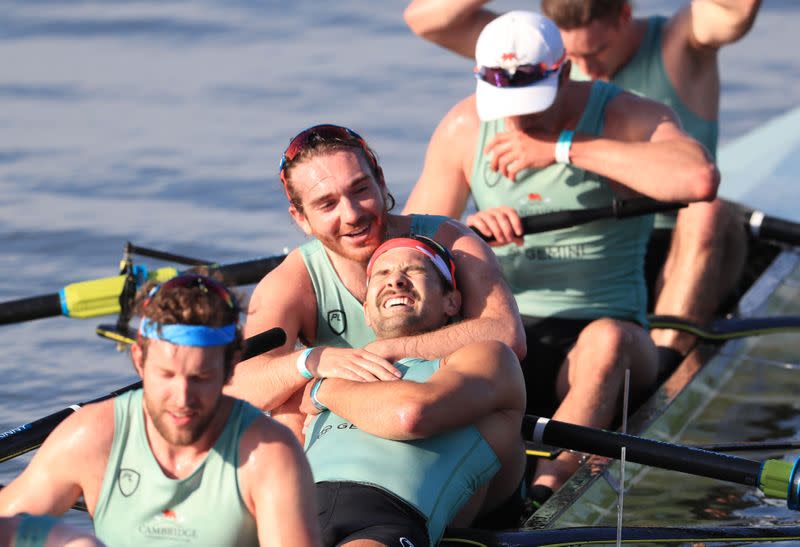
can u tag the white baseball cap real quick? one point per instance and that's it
(519, 57)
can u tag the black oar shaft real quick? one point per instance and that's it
(776, 229)
(250, 271)
(28, 309)
(647, 451)
(535, 224)
(163, 255)
(29, 436)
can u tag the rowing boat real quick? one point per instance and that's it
(741, 380)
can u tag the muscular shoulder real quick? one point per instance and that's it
(86, 436)
(266, 448)
(629, 117)
(461, 121)
(286, 288)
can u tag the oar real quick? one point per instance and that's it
(776, 478)
(101, 296)
(26, 437)
(728, 329)
(29, 436)
(535, 224)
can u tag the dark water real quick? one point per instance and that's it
(162, 123)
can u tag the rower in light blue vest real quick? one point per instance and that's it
(397, 462)
(153, 464)
(338, 196)
(673, 60)
(533, 141)
(693, 264)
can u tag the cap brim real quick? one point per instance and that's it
(501, 102)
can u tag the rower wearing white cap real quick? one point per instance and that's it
(176, 462)
(531, 141)
(694, 258)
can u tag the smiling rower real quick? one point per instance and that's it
(338, 196)
(396, 462)
(155, 465)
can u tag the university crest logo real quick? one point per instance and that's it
(337, 321)
(128, 481)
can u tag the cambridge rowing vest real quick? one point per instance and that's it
(584, 272)
(645, 75)
(340, 316)
(139, 505)
(437, 475)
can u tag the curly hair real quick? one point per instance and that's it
(191, 304)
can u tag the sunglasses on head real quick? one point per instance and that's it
(189, 281)
(319, 134)
(443, 252)
(524, 75)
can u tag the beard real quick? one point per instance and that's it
(181, 435)
(403, 325)
(361, 252)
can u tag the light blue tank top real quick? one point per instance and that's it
(437, 475)
(340, 316)
(584, 272)
(645, 75)
(139, 505)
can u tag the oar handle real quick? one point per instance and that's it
(646, 451)
(773, 228)
(626, 208)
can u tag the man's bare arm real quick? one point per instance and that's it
(476, 380)
(452, 24)
(278, 486)
(284, 298)
(645, 150)
(443, 185)
(71, 460)
(716, 23)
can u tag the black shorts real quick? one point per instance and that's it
(350, 511)
(657, 250)
(549, 341)
(506, 515)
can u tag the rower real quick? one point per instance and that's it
(152, 464)
(546, 143)
(693, 264)
(42, 530)
(338, 196)
(403, 459)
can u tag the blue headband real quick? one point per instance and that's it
(188, 335)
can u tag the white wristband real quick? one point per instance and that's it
(563, 144)
(301, 364)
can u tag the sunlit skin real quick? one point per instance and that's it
(405, 295)
(600, 48)
(343, 205)
(182, 395)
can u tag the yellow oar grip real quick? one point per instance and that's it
(101, 296)
(775, 477)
